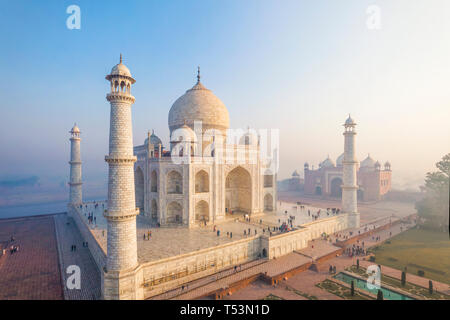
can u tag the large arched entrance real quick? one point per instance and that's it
(268, 203)
(139, 188)
(238, 191)
(202, 211)
(174, 213)
(336, 188)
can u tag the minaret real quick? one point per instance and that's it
(75, 167)
(121, 259)
(350, 186)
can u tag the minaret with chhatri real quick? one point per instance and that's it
(350, 186)
(120, 276)
(75, 167)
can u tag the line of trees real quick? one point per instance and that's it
(434, 207)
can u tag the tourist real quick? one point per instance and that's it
(231, 235)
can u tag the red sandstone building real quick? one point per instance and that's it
(326, 181)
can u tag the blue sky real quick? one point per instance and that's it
(298, 66)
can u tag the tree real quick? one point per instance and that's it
(352, 289)
(403, 278)
(433, 208)
(380, 295)
(430, 287)
(357, 264)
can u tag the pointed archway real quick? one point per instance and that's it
(238, 191)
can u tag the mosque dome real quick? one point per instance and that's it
(183, 134)
(199, 104)
(377, 165)
(339, 160)
(368, 162)
(295, 174)
(327, 163)
(154, 139)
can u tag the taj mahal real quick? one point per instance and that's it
(201, 205)
(216, 174)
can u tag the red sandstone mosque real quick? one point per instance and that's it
(373, 181)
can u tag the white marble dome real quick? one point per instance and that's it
(120, 70)
(368, 162)
(199, 104)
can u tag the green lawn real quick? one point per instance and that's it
(417, 249)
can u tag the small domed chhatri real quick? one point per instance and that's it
(199, 104)
(154, 139)
(75, 129)
(120, 70)
(350, 121)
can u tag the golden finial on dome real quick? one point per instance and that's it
(198, 74)
(120, 58)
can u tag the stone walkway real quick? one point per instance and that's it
(67, 235)
(33, 272)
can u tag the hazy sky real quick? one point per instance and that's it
(299, 66)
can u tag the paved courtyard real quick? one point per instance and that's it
(31, 273)
(370, 212)
(183, 240)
